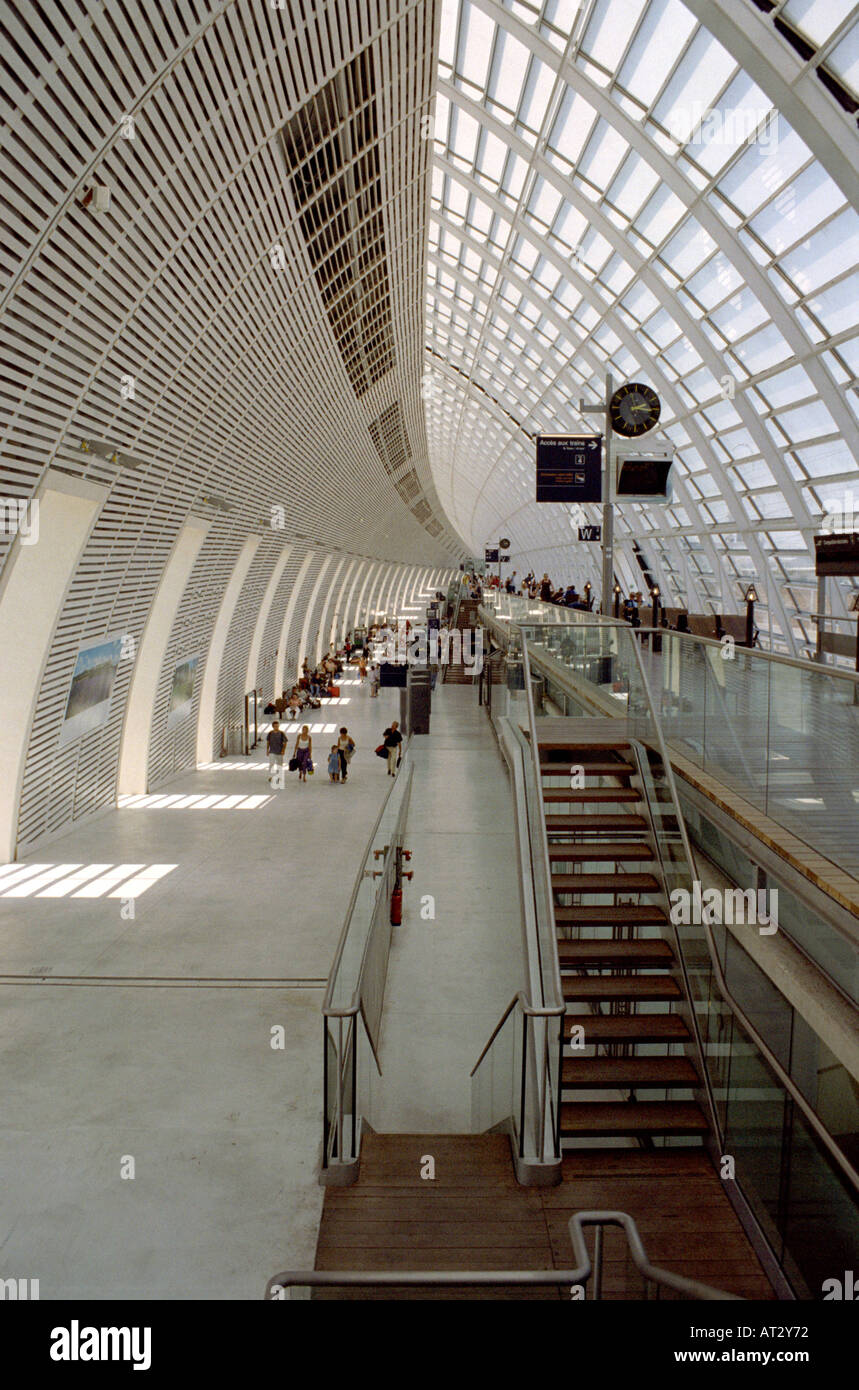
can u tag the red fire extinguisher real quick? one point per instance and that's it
(397, 890)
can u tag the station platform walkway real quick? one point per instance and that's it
(144, 1045)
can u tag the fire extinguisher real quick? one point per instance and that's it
(397, 890)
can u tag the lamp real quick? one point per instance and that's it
(588, 595)
(751, 599)
(654, 594)
(617, 600)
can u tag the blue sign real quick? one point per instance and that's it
(569, 468)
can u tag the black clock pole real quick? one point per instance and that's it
(607, 536)
(608, 507)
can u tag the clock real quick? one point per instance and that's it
(634, 409)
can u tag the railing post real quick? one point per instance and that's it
(522, 1084)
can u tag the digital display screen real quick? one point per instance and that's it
(643, 477)
(837, 553)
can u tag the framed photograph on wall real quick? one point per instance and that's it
(88, 705)
(182, 691)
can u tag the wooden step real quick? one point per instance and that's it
(600, 950)
(590, 823)
(597, 851)
(627, 914)
(605, 883)
(590, 769)
(585, 794)
(631, 1028)
(626, 1073)
(632, 1118)
(603, 745)
(609, 988)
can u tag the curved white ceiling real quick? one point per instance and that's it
(214, 322)
(598, 206)
(557, 219)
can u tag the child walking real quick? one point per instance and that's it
(334, 763)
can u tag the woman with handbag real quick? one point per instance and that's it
(302, 753)
(345, 748)
(392, 740)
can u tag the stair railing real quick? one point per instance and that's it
(676, 874)
(626, 635)
(516, 1078)
(452, 626)
(574, 1279)
(352, 1008)
(652, 1274)
(787, 1081)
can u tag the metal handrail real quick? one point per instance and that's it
(327, 1007)
(787, 1081)
(346, 1047)
(530, 1010)
(692, 1288)
(538, 782)
(759, 654)
(505, 1278)
(775, 1065)
(555, 990)
(646, 776)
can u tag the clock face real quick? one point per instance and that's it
(634, 409)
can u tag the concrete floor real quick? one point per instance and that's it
(117, 1042)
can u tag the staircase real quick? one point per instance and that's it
(632, 1078)
(456, 673)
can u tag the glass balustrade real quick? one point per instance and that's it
(762, 1062)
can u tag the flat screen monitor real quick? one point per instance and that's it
(643, 478)
(836, 553)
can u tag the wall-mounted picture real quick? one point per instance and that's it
(182, 691)
(88, 705)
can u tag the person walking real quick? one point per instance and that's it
(374, 681)
(303, 752)
(345, 749)
(334, 763)
(275, 747)
(392, 740)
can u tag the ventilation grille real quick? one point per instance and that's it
(388, 433)
(332, 146)
(409, 486)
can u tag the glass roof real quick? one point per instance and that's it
(612, 192)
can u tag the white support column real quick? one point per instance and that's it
(220, 633)
(133, 776)
(360, 613)
(341, 602)
(280, 660)
(327, 606)
(400, 583)
(347, 616)
(383, 602)
(35, 581)
(262, 617)
(311, 603)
